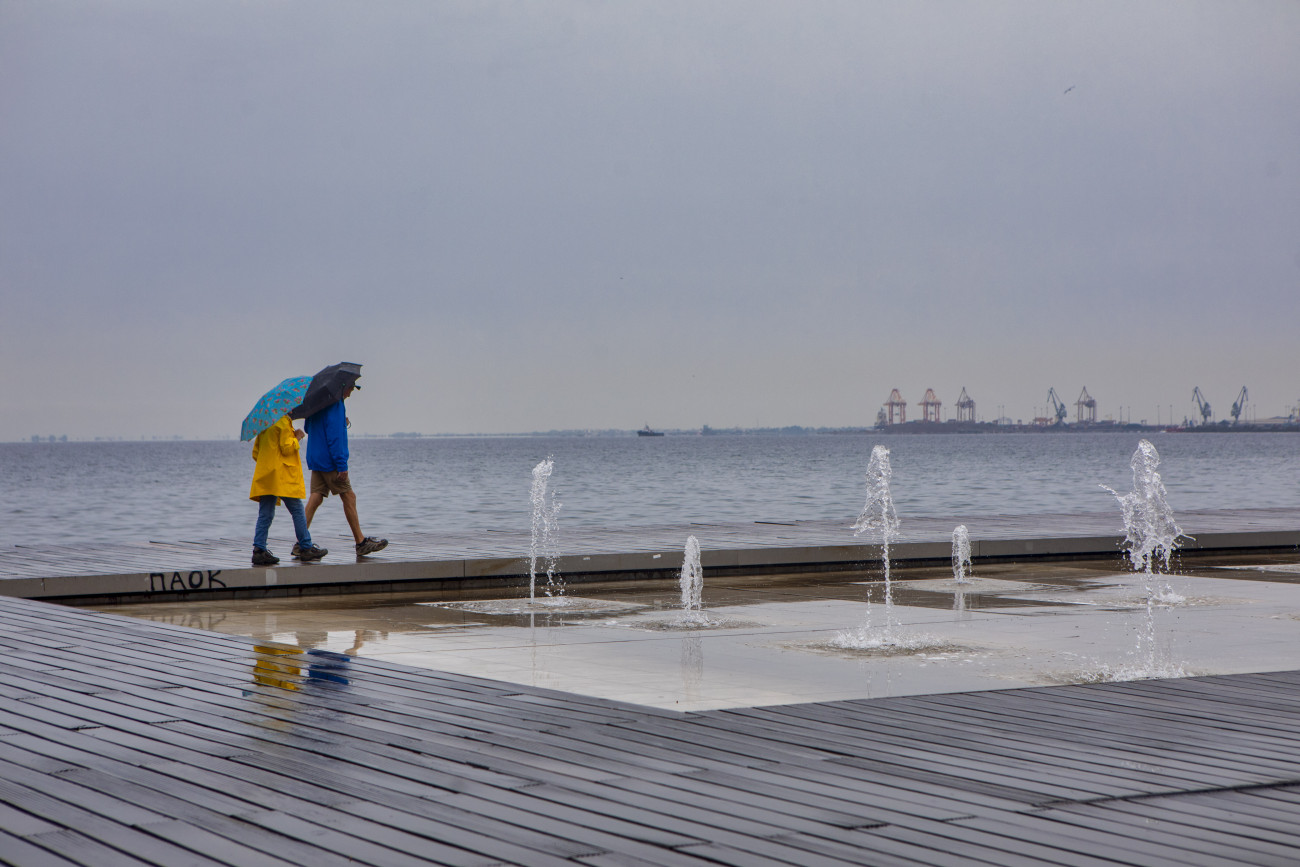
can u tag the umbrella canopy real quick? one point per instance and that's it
(327, 388)
(273, 405)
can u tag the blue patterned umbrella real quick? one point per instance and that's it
(273, 405)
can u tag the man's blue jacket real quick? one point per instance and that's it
(327, 439)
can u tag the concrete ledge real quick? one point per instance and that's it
(1257, 539)
(1046, 547)
(23, 588)
(212, 569)
(496, 567)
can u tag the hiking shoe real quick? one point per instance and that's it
(370, 545)
(263, 557)
(306, 555)
(297, 549)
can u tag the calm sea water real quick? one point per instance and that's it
(59, 493)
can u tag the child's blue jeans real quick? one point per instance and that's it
(266, 513)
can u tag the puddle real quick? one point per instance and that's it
(1288, 568)
(1118, 598)
(1104, 673)
(977, 586)
(681, 624)
(543, 605)
(871, 642)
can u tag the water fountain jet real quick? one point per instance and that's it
(879, 516)
(961, 554)
(1150, 537)
(692, 583)
(543, 546)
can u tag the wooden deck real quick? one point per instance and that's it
(220, 565)
(127, 742)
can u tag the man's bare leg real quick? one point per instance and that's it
(349, 499)
(313, 503)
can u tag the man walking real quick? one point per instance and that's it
(327, 458)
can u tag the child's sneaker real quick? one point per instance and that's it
(307, 555)
(263, 557)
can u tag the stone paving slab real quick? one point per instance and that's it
(128, 742)
(217, 565)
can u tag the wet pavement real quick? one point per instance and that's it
(773, 639)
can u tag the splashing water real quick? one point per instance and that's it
(1151, 536)
(960, 554)
(1151, 532)
(543, 546)
(878, 516)
(692, 582)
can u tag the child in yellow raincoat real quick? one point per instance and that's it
(278, 476)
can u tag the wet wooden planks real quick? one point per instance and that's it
(132, 742)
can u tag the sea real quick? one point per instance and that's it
(167, 491)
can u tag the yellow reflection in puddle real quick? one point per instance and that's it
(270, 672)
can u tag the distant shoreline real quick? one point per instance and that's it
(906, 428)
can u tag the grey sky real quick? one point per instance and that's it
(526, 216)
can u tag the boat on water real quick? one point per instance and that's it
(646, 432)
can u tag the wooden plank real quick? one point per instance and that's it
(470, 831)
(1151, 770)
(911, 852)
(20, 850)
(522, 827)
(1159, 821)
(76, 847)
(1059, 764)
(1197, 735)
(854, 854)
(20, 823)
(227, 850)
(353, 847)
(1193, 747)
(1137, 851)
(968, 732)
(958, 840)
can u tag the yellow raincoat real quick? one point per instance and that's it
(279, 468)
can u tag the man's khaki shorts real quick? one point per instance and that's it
(329, 483)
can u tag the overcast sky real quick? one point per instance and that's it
(526, 216)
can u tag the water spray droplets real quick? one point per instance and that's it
(1151, 532)
(1151, 536)
(692, 585)
(544, 546)
(961, 554)
(878, 515)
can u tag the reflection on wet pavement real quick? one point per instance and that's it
(281, 666)
(1012, 625)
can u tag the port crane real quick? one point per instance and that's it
(1058, 406)
(1202, 405)
(930, 406)
(965, 407)
(1239, 404)
(1086, 406)
(896, 403)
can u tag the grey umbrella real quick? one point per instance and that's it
(327, 388)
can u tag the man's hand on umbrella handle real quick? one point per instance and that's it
(301, 435)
